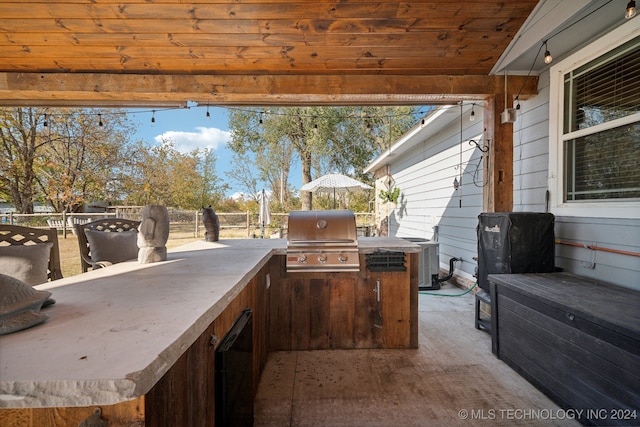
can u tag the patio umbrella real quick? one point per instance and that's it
(334, 182)
(264, 217)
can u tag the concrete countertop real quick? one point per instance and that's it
(371, 244)
(115, 331)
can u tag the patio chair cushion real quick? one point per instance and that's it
(20, 305)
(112, 247)
(28, 263)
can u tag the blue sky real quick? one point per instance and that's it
(190, 129)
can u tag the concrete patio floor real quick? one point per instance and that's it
(452, 379)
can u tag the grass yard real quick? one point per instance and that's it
(179, 234)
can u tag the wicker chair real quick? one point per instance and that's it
(107, 225)
(16, 235)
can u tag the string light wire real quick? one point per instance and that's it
(544, 44)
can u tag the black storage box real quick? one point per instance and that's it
(575, 338)
(515, 242)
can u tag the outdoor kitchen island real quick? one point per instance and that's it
(136, 342)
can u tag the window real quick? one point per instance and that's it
(594, 118)
(601, 162)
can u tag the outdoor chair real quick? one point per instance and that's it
(29, 254)
(107, 241)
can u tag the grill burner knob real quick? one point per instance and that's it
(343, 258)
(302, 259)
(322, 258)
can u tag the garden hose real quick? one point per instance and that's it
(449, 295)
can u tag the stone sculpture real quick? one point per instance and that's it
(153, 234)
(211, 225)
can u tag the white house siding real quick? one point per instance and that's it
(531, 151)
(621, 234)
(426, 172)
(531, 171)
(425, 175)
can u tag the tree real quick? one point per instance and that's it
(324, 139)
(163, 175)
(261, 155)
(20, 145)
(85, 153)
(245, 174)
(59, 156)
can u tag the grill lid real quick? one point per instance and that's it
(322, 228)
(322, 241)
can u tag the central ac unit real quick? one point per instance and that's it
(429, 262)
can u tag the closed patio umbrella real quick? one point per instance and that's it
(334, 182)
(264, 217)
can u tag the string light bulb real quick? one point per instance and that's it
(46, 122)
(547, 55)
(631, 10)
(472, 117)
(100, 120)
(208, 114)
(153, 117)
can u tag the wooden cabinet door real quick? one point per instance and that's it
(316, 311)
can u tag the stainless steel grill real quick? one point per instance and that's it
(322, 241)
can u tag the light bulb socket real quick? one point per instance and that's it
(631, 10)
(547, 55)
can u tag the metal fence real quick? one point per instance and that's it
(247, 223)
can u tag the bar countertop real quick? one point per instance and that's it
(114, 332)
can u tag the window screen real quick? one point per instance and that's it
(602, 162)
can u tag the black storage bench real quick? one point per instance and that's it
(575, 339)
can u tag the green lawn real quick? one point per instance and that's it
(178, 235)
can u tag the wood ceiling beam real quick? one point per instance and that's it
(87, 89)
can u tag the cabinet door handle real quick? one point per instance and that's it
(377, 323)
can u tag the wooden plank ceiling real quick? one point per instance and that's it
(253, 51)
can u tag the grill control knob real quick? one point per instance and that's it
(322, 258)
(343, 258)
(302, 259)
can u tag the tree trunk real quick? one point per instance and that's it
(306, 197)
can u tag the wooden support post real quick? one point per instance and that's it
(498, 193)
(64, 224)
(195, 232)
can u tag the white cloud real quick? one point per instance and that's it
(186, 142)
